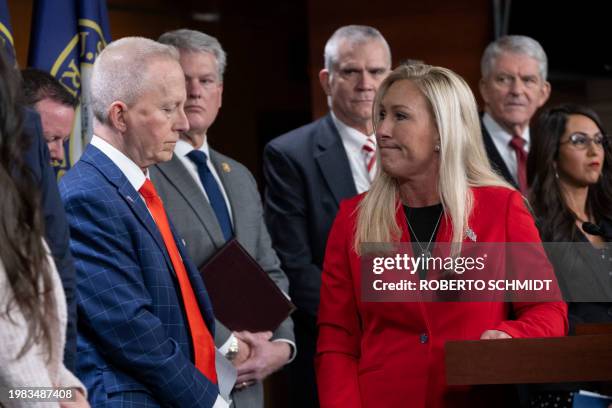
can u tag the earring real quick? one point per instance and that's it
(437, 148)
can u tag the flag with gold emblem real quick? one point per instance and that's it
(67, 36)
(6, 32)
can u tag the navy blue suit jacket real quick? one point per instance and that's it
(57, 236)
(307, 175)
(134, 343)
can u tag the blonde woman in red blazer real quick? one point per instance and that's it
(431, 162)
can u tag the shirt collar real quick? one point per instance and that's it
(350, 135)
(499, 133)
(182, 148)
(130, 170)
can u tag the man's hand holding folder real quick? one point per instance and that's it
(243, 296)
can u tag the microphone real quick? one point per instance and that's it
(602, 230)
(592, 229)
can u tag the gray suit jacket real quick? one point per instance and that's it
(195, 221)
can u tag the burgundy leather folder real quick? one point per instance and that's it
(243, 296)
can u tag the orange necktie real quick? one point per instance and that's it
(203, 345)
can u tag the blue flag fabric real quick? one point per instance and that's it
(6, 33)
(67, 36)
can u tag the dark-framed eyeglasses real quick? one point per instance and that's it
(581, 141)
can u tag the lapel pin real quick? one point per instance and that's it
(470, 234)
(226, 167)
(129, 199)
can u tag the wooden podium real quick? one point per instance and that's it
(586, 356)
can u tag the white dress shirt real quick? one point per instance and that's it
(353, 141)
(135, 175)
(501, 139)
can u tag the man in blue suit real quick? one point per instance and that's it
(139, 341)
(311, 169)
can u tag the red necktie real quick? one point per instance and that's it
(369, 156)
(203, 345)
(518, 144)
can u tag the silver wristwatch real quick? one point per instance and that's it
(233, 349)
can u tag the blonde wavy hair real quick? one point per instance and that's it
(463, 159)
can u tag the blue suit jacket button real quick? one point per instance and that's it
(424, 338)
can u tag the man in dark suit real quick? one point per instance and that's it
(513, 86)
(213, 198)
(56, 226)
(311, 169)
(145, 320)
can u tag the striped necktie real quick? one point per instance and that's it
(369, 157)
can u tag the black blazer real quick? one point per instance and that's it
(307, 174)
(495, 158)
(585, 278)
(56, 227)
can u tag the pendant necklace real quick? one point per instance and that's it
(425, 251)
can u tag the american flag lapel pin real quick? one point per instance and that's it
(470, 234)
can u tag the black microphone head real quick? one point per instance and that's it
(591, 228)
(606, 230)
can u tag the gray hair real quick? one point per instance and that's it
(517, 44)
(197, 41)
(355, 34)
(118, 73)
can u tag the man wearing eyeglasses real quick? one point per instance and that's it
(513, 86)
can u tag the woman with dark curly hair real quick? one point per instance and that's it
(569, 170)
(32, 303)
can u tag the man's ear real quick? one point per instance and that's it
(544, 93)
(324, 81)
(220, 94)
(117, 116)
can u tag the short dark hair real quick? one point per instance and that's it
(38, 85)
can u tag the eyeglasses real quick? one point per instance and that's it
(581, 141)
